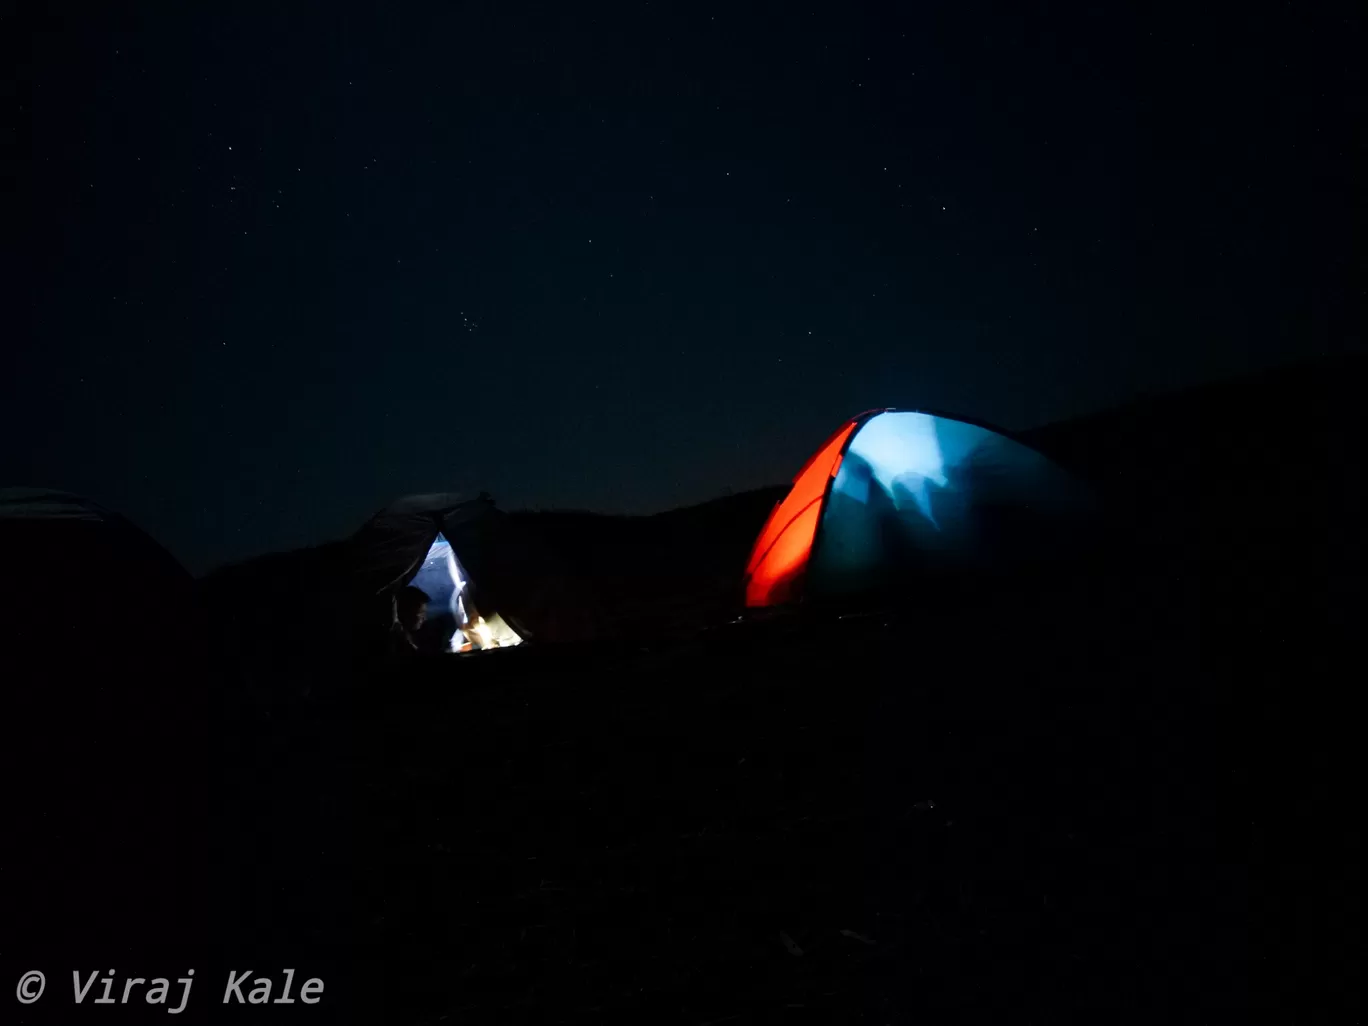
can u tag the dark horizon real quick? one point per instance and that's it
(1139, 404)
(277, 272)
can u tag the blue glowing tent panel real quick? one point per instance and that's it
(444, 581)
(917, 495)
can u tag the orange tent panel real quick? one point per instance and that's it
(781, 552)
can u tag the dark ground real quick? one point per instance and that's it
(1107, 801)
(1017, 827)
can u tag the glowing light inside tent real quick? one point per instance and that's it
(903, 453)
(483, 634)
(459, 583)
(502, 635)
(445, 581)
(774, 579)
(906, 492)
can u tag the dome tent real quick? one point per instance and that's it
(84, 582)
(108, 706)
(898, 493)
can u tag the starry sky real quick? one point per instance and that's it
(273, 267)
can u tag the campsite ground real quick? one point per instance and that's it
(870, 820)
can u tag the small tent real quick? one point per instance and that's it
(490, 583)
(898, 494)
(410, 544)
(492, 580)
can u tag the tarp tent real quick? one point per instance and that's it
(894, 494)
(414, 542)
(301, 613)
(460, 550)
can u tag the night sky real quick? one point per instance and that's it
(269, 271)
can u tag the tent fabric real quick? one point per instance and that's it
(525, 576)
(507, 571)
(391, 546)
(45, 504)
(35, 510)
(307, 615)
(896, 493)
(445, 582)
(782, 548)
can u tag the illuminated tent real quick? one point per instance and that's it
(414, 543)
(306, 618)
(895, 497)
(489, 582)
